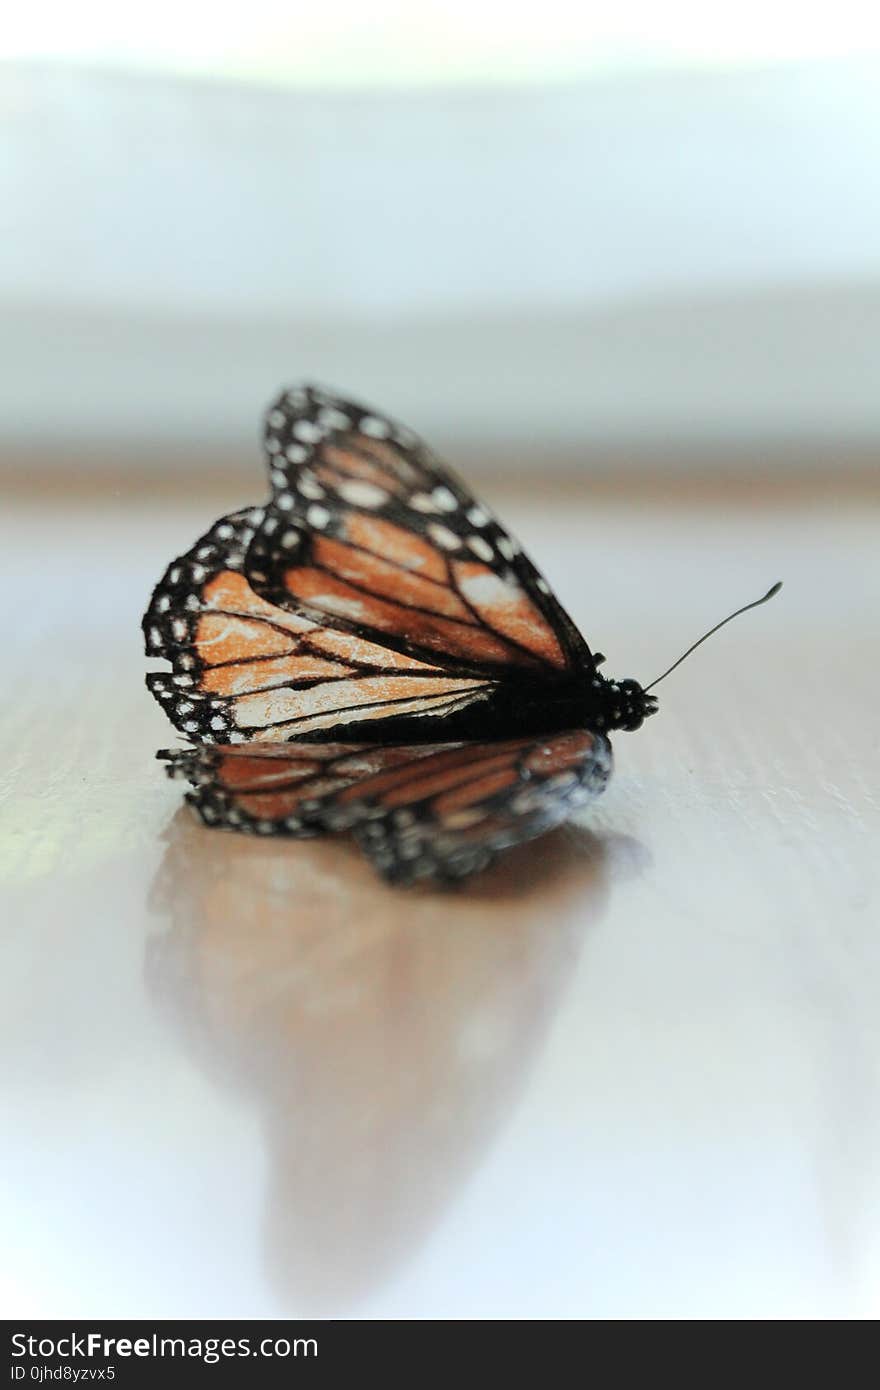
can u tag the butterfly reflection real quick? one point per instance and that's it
(383, 1037)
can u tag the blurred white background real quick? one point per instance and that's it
(570, 233)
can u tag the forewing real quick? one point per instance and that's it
(245, 670)
(367, 530)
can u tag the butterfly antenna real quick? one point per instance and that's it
(756, 604)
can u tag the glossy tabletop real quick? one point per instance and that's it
(630, 1072)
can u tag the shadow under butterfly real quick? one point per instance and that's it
(384, 1039)
(375, 608)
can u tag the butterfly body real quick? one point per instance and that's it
(532, 708)
(375, 610)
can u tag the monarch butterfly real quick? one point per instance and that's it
(372, 651)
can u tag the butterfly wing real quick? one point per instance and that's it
(244, 670)
(278, 788)
(418, 812)
(373, 587)
(368, 531)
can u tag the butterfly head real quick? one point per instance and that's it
(625, 705)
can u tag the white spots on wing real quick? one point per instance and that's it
(258, 575)
(361, 494)
(309, 487)
(481, 547)
(273, 446)
(297, 398)
(296, 453)
(179, 627)
(445, 499)
(442, 536)
(174, 575)
(507, 547)
(290, 540)
(279, 478)
(333, 419)
(345, 607)
(191, 726)
(489, 590)
(270, 525)
(235, 737)
(284, 501)
(542, 585)
(375, 428)
(318, 517)
(156, 637)
(182, 681)
(276, 418)
(264, 827)
(204, 551)
(184, 707)
(192, 603)
(308, 431)
(225, 531)
(423, 502)
(255, 515)
(218, 722)
(478, 517)
(163, 603)
(187, 662)
(198, 573)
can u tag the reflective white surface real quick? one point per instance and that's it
(632, 1072)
